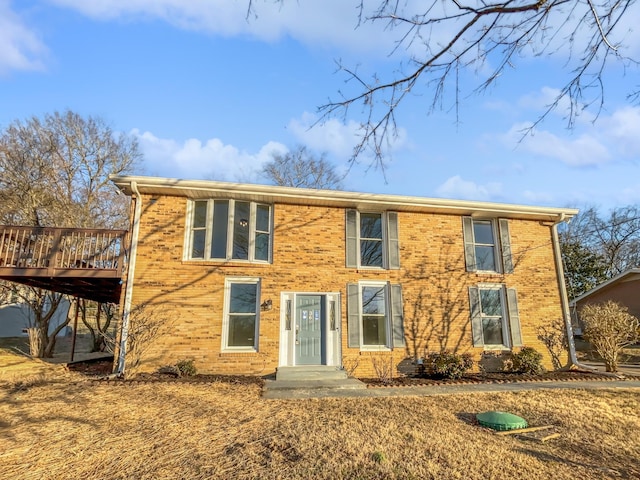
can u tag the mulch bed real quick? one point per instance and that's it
(480, 378)
(101, 368)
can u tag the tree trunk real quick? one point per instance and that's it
(51, 345)
(37, 341)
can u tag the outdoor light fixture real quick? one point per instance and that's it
(243, 222)
(266, 305)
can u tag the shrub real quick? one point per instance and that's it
(609, 328)
(384, 368)
(186, 368)
(554, 337)
(448, 365)
(527, 360)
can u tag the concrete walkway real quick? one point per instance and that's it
(424, 391)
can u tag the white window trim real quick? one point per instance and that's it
(188, 238)
(385, 241)
(506, 332)
(495, 233)
(225, 319)
(388, 320)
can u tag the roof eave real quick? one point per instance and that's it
(335, 198)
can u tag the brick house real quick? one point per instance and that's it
(247, 278)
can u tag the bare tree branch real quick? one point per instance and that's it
(473, 33)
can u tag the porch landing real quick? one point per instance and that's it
(296, 382)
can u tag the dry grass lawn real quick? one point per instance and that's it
(88, 430)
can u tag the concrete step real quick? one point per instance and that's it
(310, 373)
(310, 387)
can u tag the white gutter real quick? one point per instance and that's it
(126, 310)
(566, 312)
(206, 189)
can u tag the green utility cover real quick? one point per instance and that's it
(501, 420)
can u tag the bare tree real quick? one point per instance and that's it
(603, 246)
(438, 41)
(54, 171)
(301, 168)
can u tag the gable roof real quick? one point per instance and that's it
(203, 189)
(627, 276)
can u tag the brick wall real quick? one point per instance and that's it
(308, 256)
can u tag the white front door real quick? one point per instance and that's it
(310, 329)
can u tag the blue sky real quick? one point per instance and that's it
(212, 94)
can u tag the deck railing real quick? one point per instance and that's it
(50, 249)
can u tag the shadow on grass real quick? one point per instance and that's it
(621, 471)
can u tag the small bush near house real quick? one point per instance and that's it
(448, 365)
(186, 368)
(527, 360)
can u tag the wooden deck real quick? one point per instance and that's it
(87, 263)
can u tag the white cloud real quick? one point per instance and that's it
(194, 159)
(538, 198)
(457, 187)
(335, 137)
(330, 22)
(546, 97)
(623, 128)
(585, 150)
(20, 47)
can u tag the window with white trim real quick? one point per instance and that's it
(229, 230)
(375, 315)
(372, 239)
(487, 245)
(241, 320)
(495, 321)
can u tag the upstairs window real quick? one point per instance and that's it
(372, 240)
(229, 230)
(487, 246)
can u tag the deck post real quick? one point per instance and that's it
(75, 330)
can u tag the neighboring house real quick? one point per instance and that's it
(247, 278)
(16, 317)
(623, 288)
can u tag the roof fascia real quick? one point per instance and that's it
(291, 195)
(618, 278)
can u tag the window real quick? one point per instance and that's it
(375, 315)
(484, 250)
(241, 314)
(495, 321)
(229, 230)
(372, 239)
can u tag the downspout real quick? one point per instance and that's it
(126, 309)
(566, 312)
